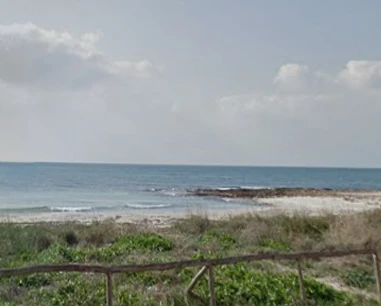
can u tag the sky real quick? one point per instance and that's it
(246, 82)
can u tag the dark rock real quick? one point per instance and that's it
(265, 193)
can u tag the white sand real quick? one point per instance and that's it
(348, 202)
(152, 219)
(319, 205)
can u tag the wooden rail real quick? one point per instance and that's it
(206, 264)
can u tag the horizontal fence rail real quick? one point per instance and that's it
(181, 264)
(206, 264)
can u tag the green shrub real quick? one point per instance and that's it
(71, 238)
(357, 277)
(273, 244)
(42, 242)
(223, 239)
(195, 224)
(146, 242)
(239, 285)
(313, 227)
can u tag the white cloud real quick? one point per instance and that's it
(298, 78)
(141, 69)
(315, 118)
(361, 74)
(292, 77)
(34, 56)
(329, 90)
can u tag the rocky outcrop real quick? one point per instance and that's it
(265, 193)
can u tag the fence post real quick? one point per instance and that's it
(377, 273)
(195, 280)
(109, 288)
(211, 286)
(189, 290)
(301, 284)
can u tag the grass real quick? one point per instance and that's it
(358, 277)
(256, 283)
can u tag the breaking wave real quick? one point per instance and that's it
(147, 206)
(168, 192)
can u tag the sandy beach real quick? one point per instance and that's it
(304, 202)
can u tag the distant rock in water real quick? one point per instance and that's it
(265, 193)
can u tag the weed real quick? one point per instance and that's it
(273, 244)
(71, 238)
(358, 277)
(146, 242)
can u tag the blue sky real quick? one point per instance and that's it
(200, 82)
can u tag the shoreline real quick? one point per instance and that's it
(260, 201)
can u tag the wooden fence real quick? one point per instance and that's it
(205, 264)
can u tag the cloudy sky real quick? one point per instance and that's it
(191, 82)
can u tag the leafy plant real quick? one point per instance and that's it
(274, 244)
(71, 238)
(223, 239)
(357, 277)
(145, 242)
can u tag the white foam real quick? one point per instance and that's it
(171, 192)
(147, 206)
(70, 209)
(254, 187)
(242, 187)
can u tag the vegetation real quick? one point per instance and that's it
(343, 281)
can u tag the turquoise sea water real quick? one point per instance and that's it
(27, 188)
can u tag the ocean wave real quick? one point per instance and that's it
(46, 209)
(242, 187)
(168, 191)
(70, 209)
(147, 206)
(255, 187)
(78, 209)
(171, 192)
(183, 192)
(33, 209)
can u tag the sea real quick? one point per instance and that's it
(30, 188)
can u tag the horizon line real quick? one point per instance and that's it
(188, 165)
